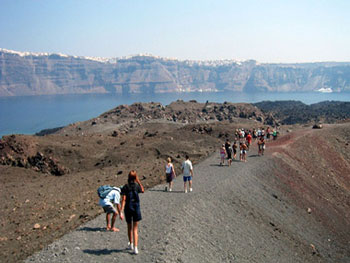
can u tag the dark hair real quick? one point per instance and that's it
(187, 157)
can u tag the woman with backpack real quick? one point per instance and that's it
(131, 207)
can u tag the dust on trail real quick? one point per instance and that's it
(234, 214)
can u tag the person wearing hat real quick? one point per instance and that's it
(107, 205)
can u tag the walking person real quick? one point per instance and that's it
(249, 139)
(234, 149)
(268, 133)
(243, 154)
(261, 146)
(222, 154)
(255, 134)
(131, 207)
(170, 174)
(274, 134)
(107, 204)
(229, 153)
(187, 170)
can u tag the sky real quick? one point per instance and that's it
(264, 30)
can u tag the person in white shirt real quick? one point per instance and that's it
(187, 169)
(107, 205)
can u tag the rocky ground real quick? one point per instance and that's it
(48, 183)
(242, 213)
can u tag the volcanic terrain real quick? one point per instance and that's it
(48, 183)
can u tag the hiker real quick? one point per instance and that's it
(261, 146)
(234, 149)
(255, 135)
(274, 134)
(170, 174)
(131, 207)
(259, 132)
(107, 204)
(227, 143)
(249, 139)
(236, 133)
(268, 133)
(228, 149)
(242, 135)
(222, 154)
(243, 148)
(187, 170)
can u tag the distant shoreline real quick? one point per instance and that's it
(33, 114)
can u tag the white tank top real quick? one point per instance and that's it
(168, 168)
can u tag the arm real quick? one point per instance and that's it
(172, 167)
(120, 212)
(121, 207)
(139, 182)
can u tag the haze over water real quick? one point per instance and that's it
(31, 114)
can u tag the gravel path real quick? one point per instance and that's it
(234, 214)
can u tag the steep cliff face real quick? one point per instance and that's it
(37, 74)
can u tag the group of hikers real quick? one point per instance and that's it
(126, 198)
(242, 143)
(127, 202)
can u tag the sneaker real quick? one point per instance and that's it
(185, 190)
(136, 251)
(170, 189)
(191, 189)
(130, 246)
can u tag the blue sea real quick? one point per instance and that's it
(31, 114)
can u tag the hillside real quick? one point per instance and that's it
(248, 212)
(38, 74)
(58, 173)
(293, 112)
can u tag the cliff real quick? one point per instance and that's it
(39, 74)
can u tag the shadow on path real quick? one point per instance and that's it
(99, 252)
(254, 155)
(92, 229)
(159, 190)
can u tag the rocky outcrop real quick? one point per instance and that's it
(33, 74)
(127, 117)
(293, 112)
(22, 152)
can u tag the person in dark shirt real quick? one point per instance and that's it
(131, 207)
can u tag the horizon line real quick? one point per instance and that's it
(109, 59)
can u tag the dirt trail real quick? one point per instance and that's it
(234, 214)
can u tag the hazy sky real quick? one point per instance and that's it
(264, 30)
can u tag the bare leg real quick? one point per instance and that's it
(108, 216)
(130, 232)
(190, 183)
(185, 186)
(135, 233)
(113, 222)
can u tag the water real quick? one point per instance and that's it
(31, 114)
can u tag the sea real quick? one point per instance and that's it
(31, 114)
